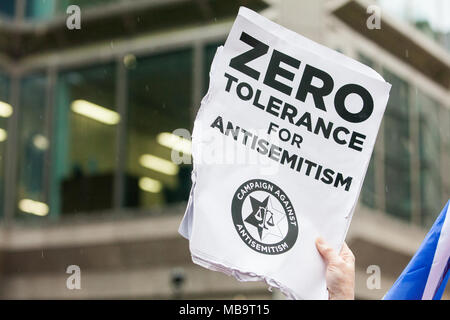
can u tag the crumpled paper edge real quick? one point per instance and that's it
(243, 276)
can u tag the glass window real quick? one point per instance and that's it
(159, 101)
(84, 154)
(368, 191)
(39, 9)
(33, 145)
(430, 155)
(5, 112)
(397, 149)
(7, 8)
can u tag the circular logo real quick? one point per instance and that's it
(264, 217)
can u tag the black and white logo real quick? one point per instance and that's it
(264, 217)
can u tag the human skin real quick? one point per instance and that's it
(340, 272)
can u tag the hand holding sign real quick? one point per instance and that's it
(279, 99)
(340, 272)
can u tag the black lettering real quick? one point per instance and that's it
(272, 107)
(354, 141)
(274, 152)
(274, 70)
(234, 131)
(256, 100)
(246, 136)
(310, 165)
(305, 120)
(285, 158)
(240, 93)
(255, 139)
(317, 92)
(336, 134)
(327, 176)
(262, 146)
(218, 123)
(339, 103)
(289, 112)
(319, 170)
(297, 139)
(320, 126)
(341, 181)
(230, 81)
(240, 62)
(299, 164)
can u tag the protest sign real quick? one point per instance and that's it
(281, 145)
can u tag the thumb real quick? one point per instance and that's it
(327, 252)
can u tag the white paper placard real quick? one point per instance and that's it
(281, 145)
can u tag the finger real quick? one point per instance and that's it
(327, 252)
(346, 254)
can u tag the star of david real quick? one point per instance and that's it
(264, 218)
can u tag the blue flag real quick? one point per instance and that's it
(426, 275)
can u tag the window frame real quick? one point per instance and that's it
(195, 38)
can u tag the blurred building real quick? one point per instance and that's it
(85, 122)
